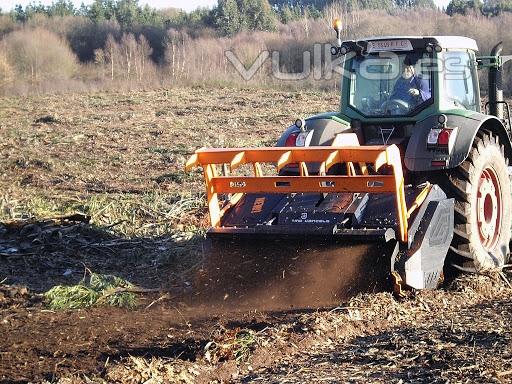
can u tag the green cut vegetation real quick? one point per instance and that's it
(97, 290)
(236, 344)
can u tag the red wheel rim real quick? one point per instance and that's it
(489, 208)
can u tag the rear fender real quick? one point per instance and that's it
(324, 131)
(419, 158)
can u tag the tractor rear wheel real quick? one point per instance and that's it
(482, 192)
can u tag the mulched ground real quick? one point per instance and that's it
(117, 160)
(454, 342)
(458, 333)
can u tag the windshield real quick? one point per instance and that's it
(389, 83)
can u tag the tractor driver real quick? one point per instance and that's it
(411, 88)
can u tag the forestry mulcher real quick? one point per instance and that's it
(413, 169)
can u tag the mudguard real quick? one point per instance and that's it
(419, 158)
(324, 130)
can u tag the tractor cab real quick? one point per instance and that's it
(407, 78)
(389, 84)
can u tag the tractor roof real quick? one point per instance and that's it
(447, 42)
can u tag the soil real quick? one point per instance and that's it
(92, 188)
(177, 322)
(40, 344)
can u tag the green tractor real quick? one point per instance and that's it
(444, 134)
(412, 162)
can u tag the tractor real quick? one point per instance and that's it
(412, 169)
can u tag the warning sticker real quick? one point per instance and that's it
(257, 206)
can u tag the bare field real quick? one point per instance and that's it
(97, 182)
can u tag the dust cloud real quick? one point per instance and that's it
(288, 274)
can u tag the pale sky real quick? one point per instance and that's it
(187, 5)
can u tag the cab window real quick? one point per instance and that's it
(391, 83)
(459, 80)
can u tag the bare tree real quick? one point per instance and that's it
(128, 48)
(6, 70)
(99, 60)
(144, 51)
(170, 52)
(37, 54)
(178, 47)
(110, 51)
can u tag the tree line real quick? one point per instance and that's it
(244, 14)
(229, 17)
(114, 43)
(489, 8)
(86, 28)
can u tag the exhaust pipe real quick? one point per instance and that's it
(496, 83)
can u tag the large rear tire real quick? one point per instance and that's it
(482, 192)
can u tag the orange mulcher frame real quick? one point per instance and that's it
(323, 183)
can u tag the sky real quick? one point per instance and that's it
(187, 5)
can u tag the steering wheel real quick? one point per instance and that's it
(397, 105)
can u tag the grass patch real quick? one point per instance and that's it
(98, 289)
(235, 345)
(37, 206)
(149, 214)
(179, 177)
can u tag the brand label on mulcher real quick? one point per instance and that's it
(319, 218)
